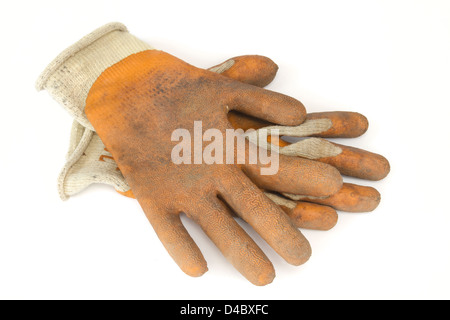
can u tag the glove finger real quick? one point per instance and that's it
(300, 176)
(266, 218)
(251, 69)
(264, 104)
(234, 243)
(343, 124)
(177, 241)
(306, 215)
(359, 163)
(351, 198)
(350, 161)
(338, 124)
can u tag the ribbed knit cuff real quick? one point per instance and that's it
(70, 76)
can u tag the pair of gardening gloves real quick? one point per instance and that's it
(128, 98)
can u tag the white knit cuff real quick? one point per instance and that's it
(70, 76)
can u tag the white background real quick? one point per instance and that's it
(389, 60)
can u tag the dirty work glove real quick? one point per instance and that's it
(88, 161)
(136, 97)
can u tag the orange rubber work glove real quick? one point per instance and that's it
(91, 163)
(136, 97)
